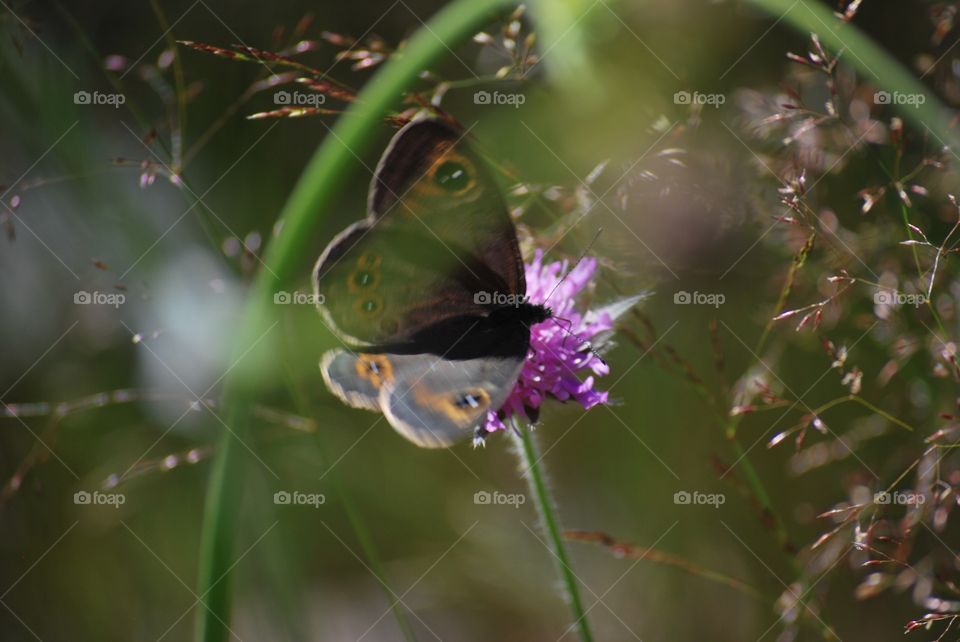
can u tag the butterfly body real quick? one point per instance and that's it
(429, 289)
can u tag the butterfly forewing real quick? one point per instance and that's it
(437, 237)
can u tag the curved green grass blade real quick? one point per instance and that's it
(312, 196)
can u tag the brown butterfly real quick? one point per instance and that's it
(429, 288)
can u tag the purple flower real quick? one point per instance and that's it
(561, 348)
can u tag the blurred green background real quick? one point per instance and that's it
(461, 571)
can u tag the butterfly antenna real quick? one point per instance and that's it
(586, 344)
(580, 258)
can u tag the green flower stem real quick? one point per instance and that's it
(529, 453)
(311, 199)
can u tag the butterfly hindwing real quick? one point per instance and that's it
(356, 378)
(438, 402)
(433, 402)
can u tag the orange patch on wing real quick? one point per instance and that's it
(453, 156)
(369, 261)
(428, 188)
(464, 407)
(375, 368)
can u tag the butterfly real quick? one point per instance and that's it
(428, 291)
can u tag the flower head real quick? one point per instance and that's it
(560, 347)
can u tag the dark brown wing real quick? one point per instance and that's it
(437, 236)
(417, 178)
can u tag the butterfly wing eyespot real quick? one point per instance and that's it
(366, 276)
(376, 369)
(357, 378)
(369, 305)
(363, 278)
(450, 178)
(463, 408)
(471, 399)
(453, 177)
